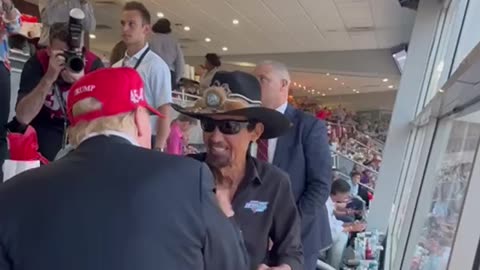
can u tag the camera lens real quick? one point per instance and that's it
(75, 64)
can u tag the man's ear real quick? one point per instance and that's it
(258, 131)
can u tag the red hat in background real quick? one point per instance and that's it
(119, 90)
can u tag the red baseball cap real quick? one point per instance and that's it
(119, 90)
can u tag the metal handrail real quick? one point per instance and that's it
(360, 184)
(356, 162)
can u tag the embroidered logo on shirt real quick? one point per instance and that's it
(256, 206)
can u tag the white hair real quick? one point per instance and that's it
(279, 67)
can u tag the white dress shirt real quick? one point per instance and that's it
(272, 143)
(336, 226)
(156, 77)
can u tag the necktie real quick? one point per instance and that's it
(262, 150)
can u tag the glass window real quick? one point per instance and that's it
(470, 35)
(451, 178)
(446, 49)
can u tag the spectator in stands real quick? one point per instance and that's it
(304, 154)
(118, 52)
(135, 20)
(323, 113)
(44, 86)
(9, 23)
(257, 193)
(163, 43)
(58, 11)
(211, 66)
(359, 190)
(178, 138)
(112, 204)
(339, 194)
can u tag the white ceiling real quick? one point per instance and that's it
(314, 84)
(270, 26)
(317, 84)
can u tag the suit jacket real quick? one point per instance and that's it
(304, 154)
(363, 193)
(110, 205)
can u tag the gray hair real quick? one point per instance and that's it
(278, 67)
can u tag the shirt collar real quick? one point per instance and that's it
(282, 108)
(111, 133)
(138, 54)
(251, 171)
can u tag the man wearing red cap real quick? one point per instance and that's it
(112, 204)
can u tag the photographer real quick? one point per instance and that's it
(39, 104)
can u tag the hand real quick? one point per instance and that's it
(280, 267)
(263, 267)
(56, 64)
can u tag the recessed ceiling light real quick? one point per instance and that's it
(336, 79)
(385, 80)
(160, 15)
(224, 49)
(299, 85)
(343, 83)
(208, 39)
(294, 83)
(323, 95)
(330, 89)
(235, 21)
(328, 74)
(441, 90)
(92, 36)
(358, 92)
(304, 87)
(390, 86)
(354, 90)
(186, 28)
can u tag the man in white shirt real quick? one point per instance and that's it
(340, 193)
(153, 70)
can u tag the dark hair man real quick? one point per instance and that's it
(44, 86)
(211, 66)
(255, 194)
(135, 21)
(167, 47)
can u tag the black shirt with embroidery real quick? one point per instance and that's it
(265, 209)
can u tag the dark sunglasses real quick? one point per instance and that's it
(227, 127)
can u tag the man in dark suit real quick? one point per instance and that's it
(304, 154)
(111, 204)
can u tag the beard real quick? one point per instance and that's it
(218, 159)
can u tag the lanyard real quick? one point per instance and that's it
(139, 59)
(61, 100)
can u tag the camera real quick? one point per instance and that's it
(74, 58)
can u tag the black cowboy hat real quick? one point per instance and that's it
(237, 93)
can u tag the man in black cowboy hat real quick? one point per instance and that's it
(255, 194)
